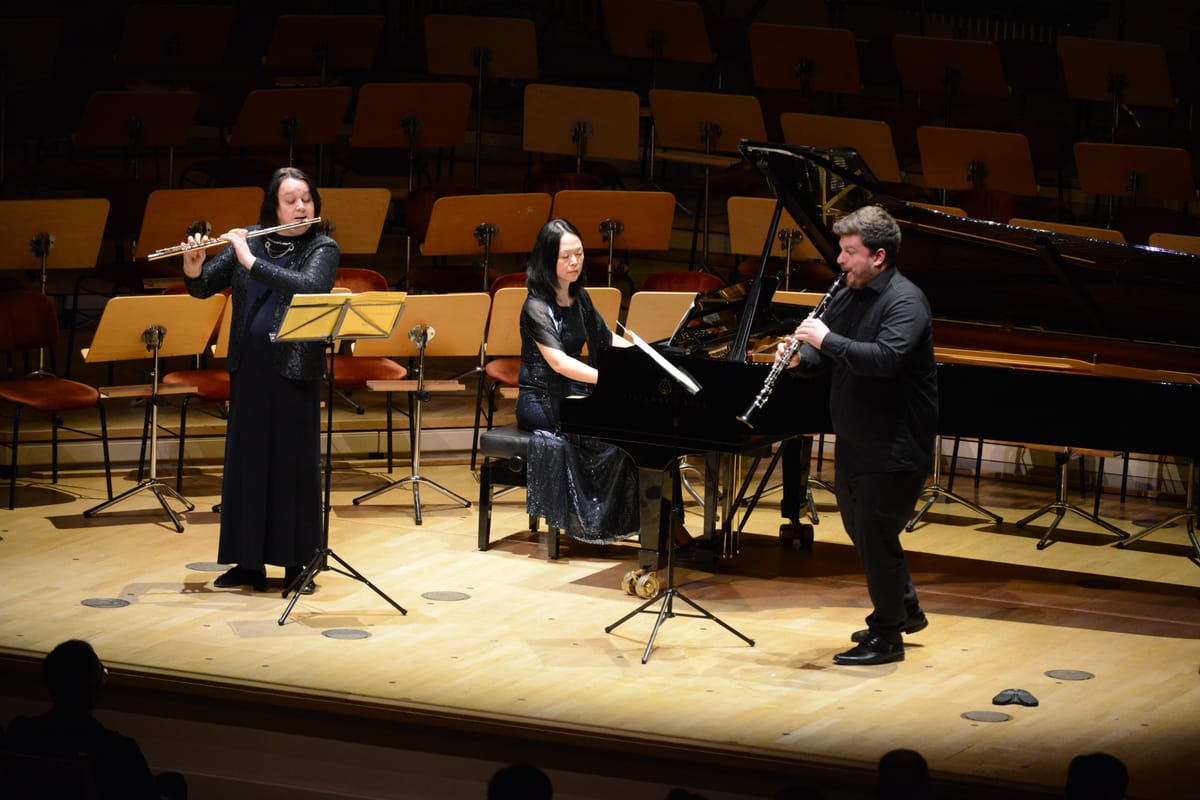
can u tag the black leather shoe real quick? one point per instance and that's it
(911, 625)
(242, 576)
(875, 650)
(290, 574)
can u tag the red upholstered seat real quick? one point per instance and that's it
(28, 322)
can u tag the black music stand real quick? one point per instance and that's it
(481, 47)
(411, 116)
(612, 219)
(331, 318)
(162, 325)
(51, 234)
(956, 159)
(700, 128)
(442, 324)
(1118, 73)
(135, 120)
(950, 67)
(323, 42)
(668, 594)
(498, 223)
(292, 117)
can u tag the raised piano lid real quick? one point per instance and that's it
(1008, 278)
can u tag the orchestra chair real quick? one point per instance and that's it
(211, 384)
(1062, 503)
(352, 372)
(501, 351)
(28, 322)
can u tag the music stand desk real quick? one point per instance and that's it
(581, 122)
(681, 118)
(931, 64)
(500, 223)
(165, 34)
(669, 30)
(164, 118)
(75, 227)
(750, 222)
(961, 158)
(324, 42)
(130, 328)
(1162, 173)
(645, 217)
(313, 115)
(655, 315)
(29, 47)
(871, 138)
(358, 214)
(804, 58)
(411, 116)
(169, 212)
(1090, 66)
(454, 42)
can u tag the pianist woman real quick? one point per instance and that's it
(585, 487)
(271, 489)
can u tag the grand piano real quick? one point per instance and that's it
(1042, 337)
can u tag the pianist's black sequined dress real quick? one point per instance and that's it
(585, 487)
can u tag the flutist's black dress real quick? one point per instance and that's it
(271, 490)
(583, 486)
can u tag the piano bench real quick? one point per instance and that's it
(504, 451)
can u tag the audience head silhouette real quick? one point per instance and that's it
(1096, 776)
(903, 775)
(74, 676)
(519, 782)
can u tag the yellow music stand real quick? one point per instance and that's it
(870, 137)
(580, 122)
(957, 159)
(159, 325)
(331, 318)
(750, 224)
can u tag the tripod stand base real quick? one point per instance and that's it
(1060, 509)
(937, 491)
(158, 488)
(667, 597)
(320, 563)
(416, 481)
(1190, 516)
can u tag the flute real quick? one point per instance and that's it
(764, 394)
(179, 249)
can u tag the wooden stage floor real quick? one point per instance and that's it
(503, 656)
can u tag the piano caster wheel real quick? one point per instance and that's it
(647, 585)
(629, 581)
(797, 537)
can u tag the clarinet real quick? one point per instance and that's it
(764, 394)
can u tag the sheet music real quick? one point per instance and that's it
(687, 381)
